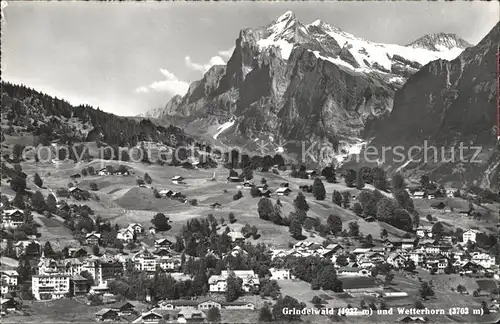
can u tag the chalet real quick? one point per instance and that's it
(163, 243)
(358, 251)
(9, 304)
(151, 230)
(369, 219)
(125, 309)
(483, 259)
(178, 304)
(31, 247)
(352, 272)
(307, 245)
(9, 280)
(190, 316)
(405, 244)
(136, 227)
(207, 304)
(125, 235)
(236, 236)
(12, 218)
(280, 274)
(75, 176)
(216, 205)
(123, 172)
(247, 185)
(284, 185)
(283, 191)
(438, 265)
(79, 252)
(265, 192)
(149, 318)
(104, 172)
(424, 231)
(470, 235)
(218, 283)
(418, 195)
(79, 285)
(234, 179)
(238, 305)
(106, 315)
(166, 193)
(333, 249)
(178, 180)
(311, 173)
(73, 191)
(92, 238)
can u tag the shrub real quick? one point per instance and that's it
(93, 186)
(238, 195)
(193, 202)
(232, 218)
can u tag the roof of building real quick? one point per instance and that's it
(104, 311)
(357, 283)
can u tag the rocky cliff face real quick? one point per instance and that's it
(291, 82)
(446, 104)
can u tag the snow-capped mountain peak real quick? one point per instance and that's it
(440, 42)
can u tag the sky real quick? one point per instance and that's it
(127, 58)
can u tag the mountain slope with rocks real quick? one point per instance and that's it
(446, 104)
(289, 82)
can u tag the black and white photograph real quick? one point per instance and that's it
(250, 161)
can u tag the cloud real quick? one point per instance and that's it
(227, 53)
(3, 5)
(171, 85)
(214, 60)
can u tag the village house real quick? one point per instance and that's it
(234, 179)
(47, 287)
(470, 235)
(149, 318)
(483, 259)
(236, 236)
(280, 274)
(166, 193)
(418, 195)
(136, 227)
(9, 281)
(438, 265)
(12, 218)
(417, 257)
(352, 272)
(125, 235)
(78, 285)
(92, 238)
(283, 191)
(144, 261)
(396, 260)
(9, 305)
(332, 251)
(424, 231)
(27, 247)
(106, 315)
(190, 316)
(169, 264)
(104, 172)
(75, 191)
(218, 283)
(125, 309)
(163, 243)
(177, 180)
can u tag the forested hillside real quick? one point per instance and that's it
(49, 118)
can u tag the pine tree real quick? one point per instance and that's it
(295, 227)
(334, 224)
(37, 180)
(147, 178)
(51, 203)
(300, 202)
(319, 191)
(360, 183)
